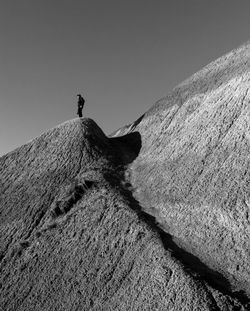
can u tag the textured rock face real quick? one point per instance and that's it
(73, 237)
(193, 171)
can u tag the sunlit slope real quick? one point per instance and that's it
(73, 237)
(193, 171)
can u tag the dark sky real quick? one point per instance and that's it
(121, 55)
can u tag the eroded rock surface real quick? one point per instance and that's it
(193, 170)
(74, 238)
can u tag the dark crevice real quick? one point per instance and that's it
(73, 194)
(137, 122)
(128, 147)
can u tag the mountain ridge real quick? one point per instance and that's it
(153, 216)
(195, 147)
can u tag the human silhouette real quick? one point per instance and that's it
(81, 102)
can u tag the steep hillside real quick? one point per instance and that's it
(74, 238)
(193, 170)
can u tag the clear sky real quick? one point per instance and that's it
(122, 55)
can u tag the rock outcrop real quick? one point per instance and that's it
(74, 238)
(155, 217)
(193, 170)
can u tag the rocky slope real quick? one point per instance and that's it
(193, 170)
(74, 238)
(155, 217)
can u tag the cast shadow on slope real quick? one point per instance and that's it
(128, 145)
(192, 264)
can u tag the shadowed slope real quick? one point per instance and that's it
(193, 170)
(72, 236)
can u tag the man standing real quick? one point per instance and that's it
(81, 102)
